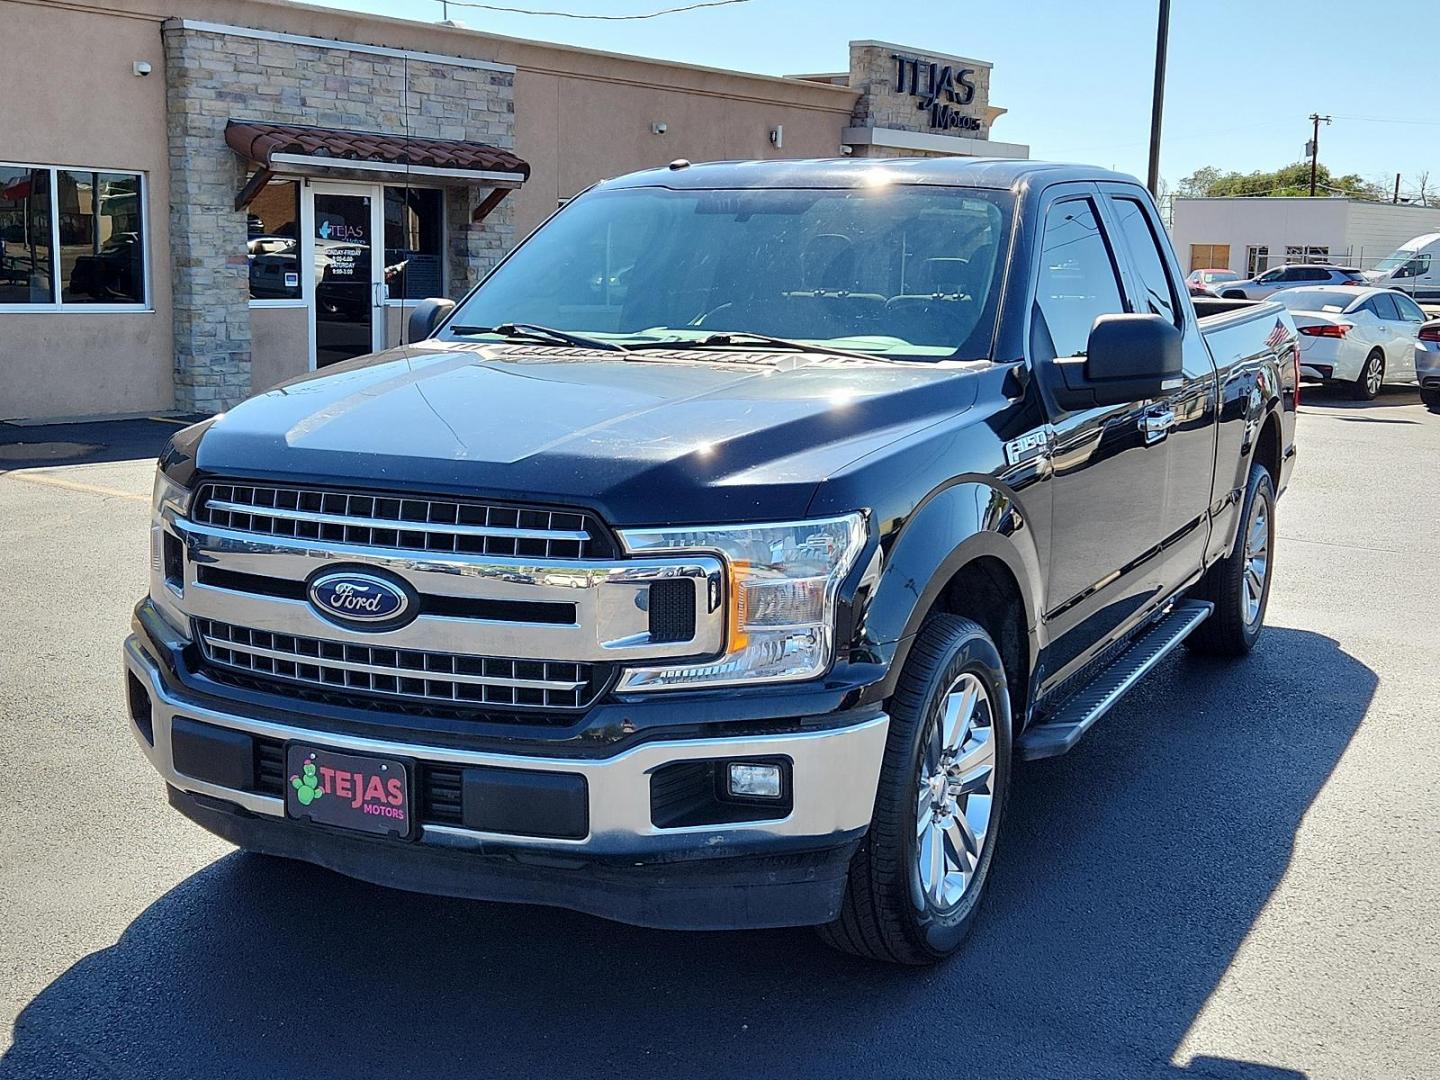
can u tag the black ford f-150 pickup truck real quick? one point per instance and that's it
(712, 562)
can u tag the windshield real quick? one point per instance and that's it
(1313, 300)
(901, 271)
(1398, 257)
(1221, 275)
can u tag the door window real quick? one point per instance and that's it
(1409, 310)
(1139, 239)
(345, 272)
(1077, 282)
(1383, 304)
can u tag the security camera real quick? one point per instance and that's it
(659, 127)
(141, 68)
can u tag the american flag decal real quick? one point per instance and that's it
(1279, 336)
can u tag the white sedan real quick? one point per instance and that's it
(1361, 337)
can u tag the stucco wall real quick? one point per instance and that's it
(71, 98)
(279, 345)
(582, 119)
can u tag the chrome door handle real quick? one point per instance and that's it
(1156, 424)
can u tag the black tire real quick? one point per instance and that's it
(882, 917)
(1431, 397)
(1230, 630)
(1234, 294)
(1366, 387)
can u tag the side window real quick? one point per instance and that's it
(1409, 310)
(1383, 305)
(1077, 281)
(1144, 250)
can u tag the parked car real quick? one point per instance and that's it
(1427, 365)
(1211, 279)
(1414, 268)
(1361, 337)
(1290, 277)
(728, 596)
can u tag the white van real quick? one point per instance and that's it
(1414, 268)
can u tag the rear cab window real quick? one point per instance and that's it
(1138, 237)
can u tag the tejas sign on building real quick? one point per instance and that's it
(937, 88)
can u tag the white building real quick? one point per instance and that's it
(1250, 234)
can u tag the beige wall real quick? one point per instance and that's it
(582, 119)
(279, 345)
(72, 99)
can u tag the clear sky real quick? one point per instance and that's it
(1244, 75)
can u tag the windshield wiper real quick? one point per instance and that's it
(738, 337)
(541, 333)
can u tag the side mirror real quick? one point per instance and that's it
(425, 316)
(1128, 358)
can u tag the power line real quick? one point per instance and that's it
(603, 18)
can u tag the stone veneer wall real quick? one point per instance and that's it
(213, 77)
(872, 71)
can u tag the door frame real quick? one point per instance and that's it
(376, 193)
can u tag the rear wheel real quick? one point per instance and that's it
(1431, 397)
(1239, 585)
(1372, 377)
(916, 881)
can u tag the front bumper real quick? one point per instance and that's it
(786, 870)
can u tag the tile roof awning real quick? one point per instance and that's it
(335, 152)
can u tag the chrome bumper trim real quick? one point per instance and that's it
(834, 774)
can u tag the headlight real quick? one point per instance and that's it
(169, 494)
(782, 588)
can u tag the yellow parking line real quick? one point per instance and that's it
(73, 485)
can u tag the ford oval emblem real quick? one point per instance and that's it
(353, 597)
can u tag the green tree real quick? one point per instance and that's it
(1210, 182)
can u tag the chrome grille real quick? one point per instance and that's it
(403, 675)
(396, 521)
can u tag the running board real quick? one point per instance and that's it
(1062, 731)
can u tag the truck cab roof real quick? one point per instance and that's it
(1000, 173)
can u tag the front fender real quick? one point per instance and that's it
(955, 526)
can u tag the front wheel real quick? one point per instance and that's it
(916, 881)
(1372, 377)
(1239, 585)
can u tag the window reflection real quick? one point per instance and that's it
(102, 242)
(26, 264)
(414, 231)
(273, 244)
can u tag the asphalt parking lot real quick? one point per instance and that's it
(1234, 876)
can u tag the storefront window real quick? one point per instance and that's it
(273, 245)
(414, 239)
(102, 238)
(26, 266)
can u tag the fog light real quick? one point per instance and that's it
(755, 781)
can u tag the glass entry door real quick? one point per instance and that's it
(347, 311)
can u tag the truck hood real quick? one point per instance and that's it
(683, 436)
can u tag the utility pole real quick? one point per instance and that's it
(1396, 199)
(1157, 104)
(1315, 119)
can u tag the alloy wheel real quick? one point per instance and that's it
(1257, 562)
(955, 796)
(1374, 374)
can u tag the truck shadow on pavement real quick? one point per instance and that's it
(1130, 872)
